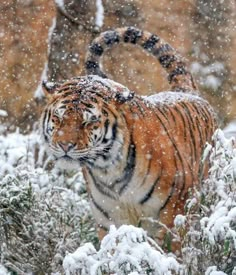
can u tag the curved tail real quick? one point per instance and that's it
(179, 75)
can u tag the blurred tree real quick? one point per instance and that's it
(77, 23)
(213, 33)
(186, 24)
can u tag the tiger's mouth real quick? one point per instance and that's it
(79, 159)
(66, 157)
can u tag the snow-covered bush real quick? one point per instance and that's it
(43, 213)
(209, 238)
(126, 250)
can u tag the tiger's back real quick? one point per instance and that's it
(140, 155)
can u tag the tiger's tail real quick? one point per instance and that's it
(179, 75)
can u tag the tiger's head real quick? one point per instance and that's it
(80, 122)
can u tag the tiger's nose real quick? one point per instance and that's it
(66, 146)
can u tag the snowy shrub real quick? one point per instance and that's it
(43, 213)
(3, 270)
(126, 250)
(209, 228)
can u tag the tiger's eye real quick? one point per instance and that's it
(93, 118)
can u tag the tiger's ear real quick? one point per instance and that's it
(49, 87)
(125, 96)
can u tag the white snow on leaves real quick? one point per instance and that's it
(220, 191)
(123, 251)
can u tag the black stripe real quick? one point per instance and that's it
(96, 49)
(150, 192)
(186, 108)
(45, 124)
(162, 49)
(89, 64)
(132, 35)
(201, 117)
(181, 70)
(162, 111)
(105, 98)
(205, 119)
(172, 115)
(201, 143)
(191, 128)
(197, 109)
(87, 105)
(75, 101)
(129, 169)
(147, 172)
(48, 119)
(207, 114)
(93, 99)
(114, 130)
(63, 89)
(106, 125)
(66, 101)
(111, 37)
(44, 119)
(100, 209)
(140, 110)
(169, 196)
(104, 112)
(67, 93)
(150, 42)
(101, 187)
(167, 60)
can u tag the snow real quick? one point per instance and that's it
(179, 221)
(213, 271)
(60, 4)
(3, 270)
(170, 97)
(3, 113)
(99, 14)
(124, 91)
(212, 82)
(123, 251)
(230, 129)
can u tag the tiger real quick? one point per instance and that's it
(140, 155)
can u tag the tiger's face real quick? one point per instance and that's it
(73, 134)
(79, 126)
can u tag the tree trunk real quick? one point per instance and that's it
(75, 27)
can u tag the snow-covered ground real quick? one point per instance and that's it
(46, 224)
